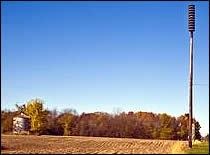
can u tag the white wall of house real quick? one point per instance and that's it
(19, 124)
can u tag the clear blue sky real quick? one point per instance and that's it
(100, 56)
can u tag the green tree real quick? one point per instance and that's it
(197, 131)
(182, 127)
(166, 133)
(167, 123)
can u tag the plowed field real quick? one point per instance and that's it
(92, 145)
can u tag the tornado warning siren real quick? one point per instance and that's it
(191, 18)
(191, 28)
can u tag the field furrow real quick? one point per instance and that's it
(14, 144)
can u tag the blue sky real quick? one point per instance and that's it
(101, 56)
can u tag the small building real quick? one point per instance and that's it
(21, 123)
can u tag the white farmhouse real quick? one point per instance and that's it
(20, 123)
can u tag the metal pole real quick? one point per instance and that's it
(191, 90)
(191, 27)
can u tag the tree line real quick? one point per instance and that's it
(144, 125)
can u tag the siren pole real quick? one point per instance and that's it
(191, 28)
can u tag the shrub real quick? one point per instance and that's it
(24, 133)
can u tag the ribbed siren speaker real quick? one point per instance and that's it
(191, 18)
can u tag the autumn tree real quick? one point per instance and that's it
(166, 130)
(7, 120)
(51, 126)
(182, 127)
(149, 122)
(66, 121)
(206, 138)
(144, 125)
(37, 114)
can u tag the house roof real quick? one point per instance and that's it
(22, 115)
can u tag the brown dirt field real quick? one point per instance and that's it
(13, 144)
